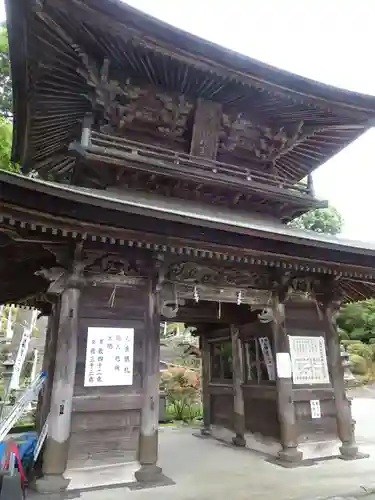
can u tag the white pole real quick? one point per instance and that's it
(1, 318)
(9, 331)
(35, 363)
(22, 352)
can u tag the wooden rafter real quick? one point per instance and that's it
(66, 40)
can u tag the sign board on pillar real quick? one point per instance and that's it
(283, 365)
(268, 356)
(309, 360)
(315, 408)
(109, 357)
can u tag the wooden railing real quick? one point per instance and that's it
(164, 161)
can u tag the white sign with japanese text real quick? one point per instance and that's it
(309, 360)
(315, 408)
(109, 357)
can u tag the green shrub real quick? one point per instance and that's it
(182, 388)
(343, 335)
(346, 343)
(372, 349)
(358, 334)
(359, 364)
(363, 350)
(189, 413)
(371, 340)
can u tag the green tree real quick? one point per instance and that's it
(322, 220)
(6, 103)
(358, 320)
(6, 145)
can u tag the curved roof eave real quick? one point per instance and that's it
(182, 41)
(161, 36)
(188, 213)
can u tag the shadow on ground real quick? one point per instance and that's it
(210, 470)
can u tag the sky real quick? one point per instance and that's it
(328, 40)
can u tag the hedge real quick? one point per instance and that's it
(364, 350)
(359, 364)
(346, 343)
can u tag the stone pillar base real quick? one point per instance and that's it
(149, 474)
(50, 484)
(239, 441)
(290, 457)
(350, 452)
(205, 432)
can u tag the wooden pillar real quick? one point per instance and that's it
(44, 400)
(206, 377)
(148, 435)
(49, 356)
(238, 401)
(289, 454)
(310, 185)
(55, 456)
(329, 305)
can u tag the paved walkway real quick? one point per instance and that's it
(209, 470)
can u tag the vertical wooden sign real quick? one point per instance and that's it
(207, 121)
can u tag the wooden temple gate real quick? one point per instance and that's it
(166, 169)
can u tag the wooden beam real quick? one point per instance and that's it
(212, 312)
